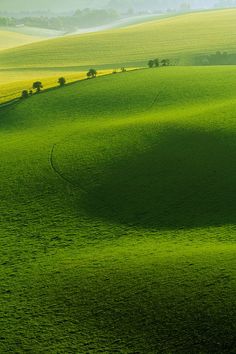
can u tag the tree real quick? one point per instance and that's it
(92, 73)
(156, 62)
(61, 81)
(165, 62)
(151, 63)
(205, 61)
(37, 85)
(123, 70)
(25, 94)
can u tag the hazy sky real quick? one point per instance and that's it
(68, 5)
(59, 5)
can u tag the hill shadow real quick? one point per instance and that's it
(121, 304)
(187, 179)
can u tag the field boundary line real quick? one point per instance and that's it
(66, 85)
(10, 103)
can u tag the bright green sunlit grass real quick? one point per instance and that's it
(118, 215)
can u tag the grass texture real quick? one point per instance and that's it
(118, 211)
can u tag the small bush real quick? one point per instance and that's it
(61, 81)
(25, 94)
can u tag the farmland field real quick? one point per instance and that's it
(118, 211)
(180, 38)
(118, 193)
(13, 82)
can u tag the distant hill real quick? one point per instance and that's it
(11, 39)
(180, 38)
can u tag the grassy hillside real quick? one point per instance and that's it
(118, 215)
(35, 31)
(11, 39)
(180, 38)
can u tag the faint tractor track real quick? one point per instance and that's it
(58, 171)
(155, 100)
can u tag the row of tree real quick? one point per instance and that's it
(91, 74)
(155, 63)
(80, 19)
(38, 86)
(218, 58)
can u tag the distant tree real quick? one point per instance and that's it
(205, 61)
(92, 73)
(156, 62)
(25, 94)
(165, 62)
(185, 6)
(30, 92)
(61, 81)
(151, 63)
(123, 70)
(37, 85)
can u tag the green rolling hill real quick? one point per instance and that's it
(180, 38)
(10, 39)
(118, 214)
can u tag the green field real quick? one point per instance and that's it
(180, 38)
(43, 33)
(118, 211)
(11, 39)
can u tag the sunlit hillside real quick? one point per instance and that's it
(179, 38)
(118, 183)
(9, 39)
(118, 215)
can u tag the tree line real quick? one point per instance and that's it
(218, 58)
(91, 74)
(38, 85)
(155, 63)
(80, 19)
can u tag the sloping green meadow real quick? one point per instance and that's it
(118, 211)
(180, 38)
(11, 39)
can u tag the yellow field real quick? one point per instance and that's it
(14, 82)
(180, 38)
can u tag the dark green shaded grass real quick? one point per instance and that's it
(131, 296)
(129, 246)
(170, 177)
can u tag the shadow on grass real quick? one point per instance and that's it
(113, 304)
(187, 178)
